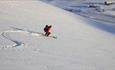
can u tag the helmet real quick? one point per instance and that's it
(50, 26)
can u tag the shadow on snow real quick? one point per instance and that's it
(103, 26)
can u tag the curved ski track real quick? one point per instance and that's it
(17, 30)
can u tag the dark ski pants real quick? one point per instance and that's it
(47, 33)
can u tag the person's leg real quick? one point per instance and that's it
(48, 33)
(45, 33)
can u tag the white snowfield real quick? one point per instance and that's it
(79, 45)
(93, 9)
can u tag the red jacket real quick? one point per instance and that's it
(47, 29)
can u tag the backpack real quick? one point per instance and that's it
(46, 28)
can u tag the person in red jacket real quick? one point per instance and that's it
(47, 30)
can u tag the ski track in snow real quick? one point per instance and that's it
(17, 30)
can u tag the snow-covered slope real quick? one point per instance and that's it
(93, 9)
(78, 46)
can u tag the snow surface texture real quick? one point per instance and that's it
(79, 46)
(94, 9)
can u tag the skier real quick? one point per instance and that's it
(47, 30)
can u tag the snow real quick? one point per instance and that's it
(81, 44)
(112, 13)
(88, 8)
